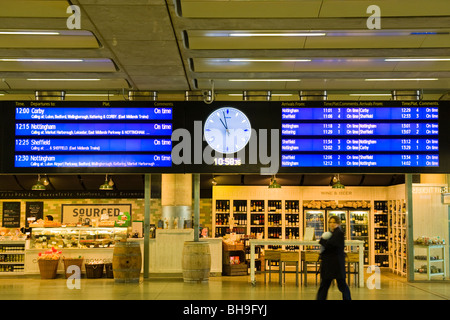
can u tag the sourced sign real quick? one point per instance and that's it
(253, 137)
(74, 213)
(11, 214)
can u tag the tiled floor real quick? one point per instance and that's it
(392, 287)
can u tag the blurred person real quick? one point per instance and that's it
(333, 261)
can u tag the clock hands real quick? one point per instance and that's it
(225, 124)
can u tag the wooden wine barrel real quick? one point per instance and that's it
(127, 261)
(196, 261)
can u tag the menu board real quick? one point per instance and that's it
(11, 214)
(92, 137)
(33, 212)
(340, 134)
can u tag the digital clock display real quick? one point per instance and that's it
(340, 134)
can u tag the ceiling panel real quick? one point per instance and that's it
(36, 64)
(152, 44)
(53, 39)
(43, 84)
(309, 8)
(249, 9)
(302, 64)
(325, 84)
(224, 39)
(9, 183)
(66, 182)
(389, 8)
(34, 9)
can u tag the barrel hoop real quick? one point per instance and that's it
(127, 270)
(126, 255)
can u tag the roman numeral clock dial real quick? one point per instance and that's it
(227, 130)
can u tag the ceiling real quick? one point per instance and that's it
(229, 46)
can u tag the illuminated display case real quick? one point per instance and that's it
(43, 238)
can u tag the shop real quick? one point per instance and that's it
(375, 215)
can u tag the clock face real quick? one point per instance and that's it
(227, 130)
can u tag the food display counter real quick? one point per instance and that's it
(97, 244)
(81, 237)
(93, 244)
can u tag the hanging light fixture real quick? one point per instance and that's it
(274, 184)
(214, 181)
(337, 183)
(108, 185)
(45, 181)
(38, 186)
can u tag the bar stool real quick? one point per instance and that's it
(289, 258)
(272, 256)
(306, 258)
(352, 258)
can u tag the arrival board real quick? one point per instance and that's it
(337, 135)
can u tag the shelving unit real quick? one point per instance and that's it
(12, 257)
(380, 234)
(430, 265)
(234, 262)
(397, 236)
(221, 219)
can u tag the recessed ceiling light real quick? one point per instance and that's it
(269, 60)
(262, 80)
(40, 60)
(63, 79)
(275, 34)
(416, 59)
(405, 79)
(89, 95)
(46, 33)
(370, 94)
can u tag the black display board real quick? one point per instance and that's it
(168, 137)
(33, 212)
(11, 214)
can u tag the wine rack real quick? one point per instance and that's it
(380, 233)
(274, 221)
(292, 222)
(240, 216)
(397, 236)
(222, 218)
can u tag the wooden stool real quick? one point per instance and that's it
(286, 258)
(309, 257)
(352, 258)
(272, 256)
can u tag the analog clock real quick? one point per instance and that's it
(227, 130)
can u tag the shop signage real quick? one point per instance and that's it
(11, 214)
(74, 213)
(48, 194)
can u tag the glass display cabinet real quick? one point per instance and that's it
(82, 237)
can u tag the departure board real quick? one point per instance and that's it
(354, 134)
(92, 137)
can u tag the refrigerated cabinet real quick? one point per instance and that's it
(359, 229)
(314, 219)
(342, 214)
